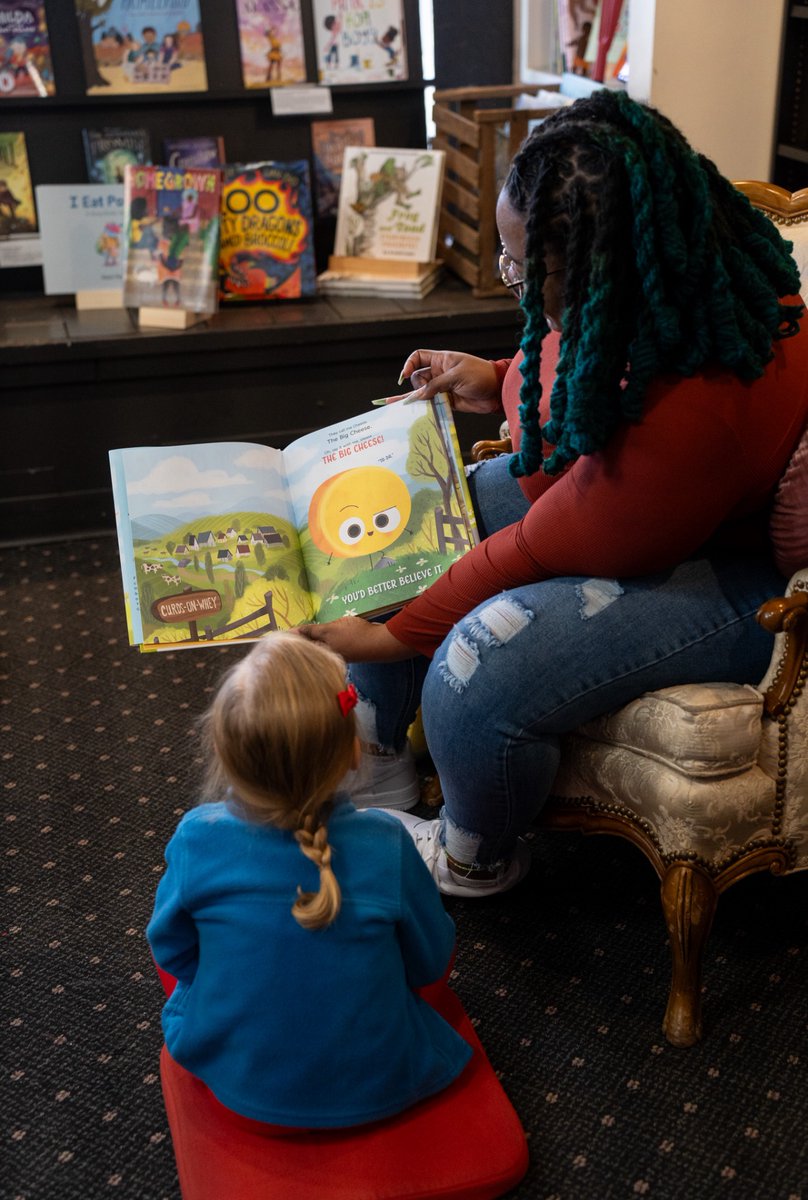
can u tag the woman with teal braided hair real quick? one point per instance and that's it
(660, 389)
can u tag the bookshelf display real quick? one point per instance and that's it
(242, 116)
(78, 382)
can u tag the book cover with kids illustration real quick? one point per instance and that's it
(267, 237)
(135, 47)
(360, 41)
(271, 41)
(25, 56)
(230, 541)
(171, 224)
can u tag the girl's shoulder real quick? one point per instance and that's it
(207, 816)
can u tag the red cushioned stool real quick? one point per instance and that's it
(466, 1142)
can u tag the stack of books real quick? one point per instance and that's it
(355, 282)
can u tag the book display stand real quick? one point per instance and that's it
(168, 318)
(91, 298)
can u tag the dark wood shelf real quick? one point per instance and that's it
(77, 384)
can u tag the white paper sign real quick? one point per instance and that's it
(289, 101)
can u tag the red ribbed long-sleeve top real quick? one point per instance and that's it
(701, 467)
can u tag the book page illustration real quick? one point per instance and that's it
(377, 509)
(208, 544)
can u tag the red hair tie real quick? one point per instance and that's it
(347, 699)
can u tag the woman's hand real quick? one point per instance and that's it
(471, 383)
(357, 640)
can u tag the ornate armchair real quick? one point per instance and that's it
(710, 782)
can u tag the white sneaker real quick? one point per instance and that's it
(386, 781)
(425, 832)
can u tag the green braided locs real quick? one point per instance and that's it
(536, 330)
(668, 268)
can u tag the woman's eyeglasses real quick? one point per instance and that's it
(509, 274)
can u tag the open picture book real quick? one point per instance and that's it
(227, 541)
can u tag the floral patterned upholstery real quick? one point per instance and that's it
(653, 758)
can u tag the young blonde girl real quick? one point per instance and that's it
(297, 927)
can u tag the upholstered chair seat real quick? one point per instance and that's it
(710, 781)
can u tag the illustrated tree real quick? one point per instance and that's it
(239, 580)
(260, 554)
(209, 566)
(170, 547)
(427, 458)
(87, 14)
(277, 572)
(423, 504)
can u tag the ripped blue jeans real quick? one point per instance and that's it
(534, 662)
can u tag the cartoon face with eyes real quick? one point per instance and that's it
(359, 511)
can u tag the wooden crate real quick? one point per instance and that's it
(480, 134)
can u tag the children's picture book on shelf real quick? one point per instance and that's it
(267, 246)
(81, 227)
(25, 57)
(271, 40)
(360, 41)
(229, 541)
(17, 208)
(20, 244)
(389, 203)
(109, 150)
(202, 151)
(328, 142)
(171, 238)
(136, 47)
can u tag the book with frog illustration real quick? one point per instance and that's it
(389, 203)
(229, 541)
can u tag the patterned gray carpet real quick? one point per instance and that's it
(565, 977)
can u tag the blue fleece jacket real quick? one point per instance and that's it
(292, 1026)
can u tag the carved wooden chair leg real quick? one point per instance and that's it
(689, 899)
